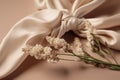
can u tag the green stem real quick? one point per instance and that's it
(105, 50)
(67, 59)
(97, 61)
(66, 54)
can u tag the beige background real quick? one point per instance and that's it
(13, 10)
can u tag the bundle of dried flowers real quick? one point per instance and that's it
(52, 51)
(58, 46)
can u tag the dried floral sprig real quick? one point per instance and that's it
(101, 49)
(40, 52)
(59, 46)
(49, 52)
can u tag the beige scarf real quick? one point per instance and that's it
(56, 17)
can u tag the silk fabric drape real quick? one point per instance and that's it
(45, 21)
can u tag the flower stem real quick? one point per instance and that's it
(68, 59)
(66, 54)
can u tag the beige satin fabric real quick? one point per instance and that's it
(55, 17)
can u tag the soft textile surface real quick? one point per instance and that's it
(56, 17)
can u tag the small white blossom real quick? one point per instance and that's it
(90, 30)
(36, 50)
(47, 51)
(59, 43)
(77, 47)
(27, 49)
(38, 56)
(56, 42)
(50, 39)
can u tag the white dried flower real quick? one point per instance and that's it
(50, 39)
(27, 49)
(77, 47)
(40, 52)
(59, 43)
(38, 56)
(56, 42)
(47, 51)
(37, 49)
(90, 30)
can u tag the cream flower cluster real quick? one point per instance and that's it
(57, 43)
(77, 47)
(49, 52)
(38, 51)
(90, 30)
(55, 47)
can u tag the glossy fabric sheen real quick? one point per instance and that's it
(47, 21)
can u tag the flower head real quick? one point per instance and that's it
(56, 42)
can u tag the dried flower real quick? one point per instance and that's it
(47, 50)
(89, 30)
(56, 42)
(36, 50)
(77, 47)
(58, 46)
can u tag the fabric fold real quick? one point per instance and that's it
(55, 18)
(11, 55)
